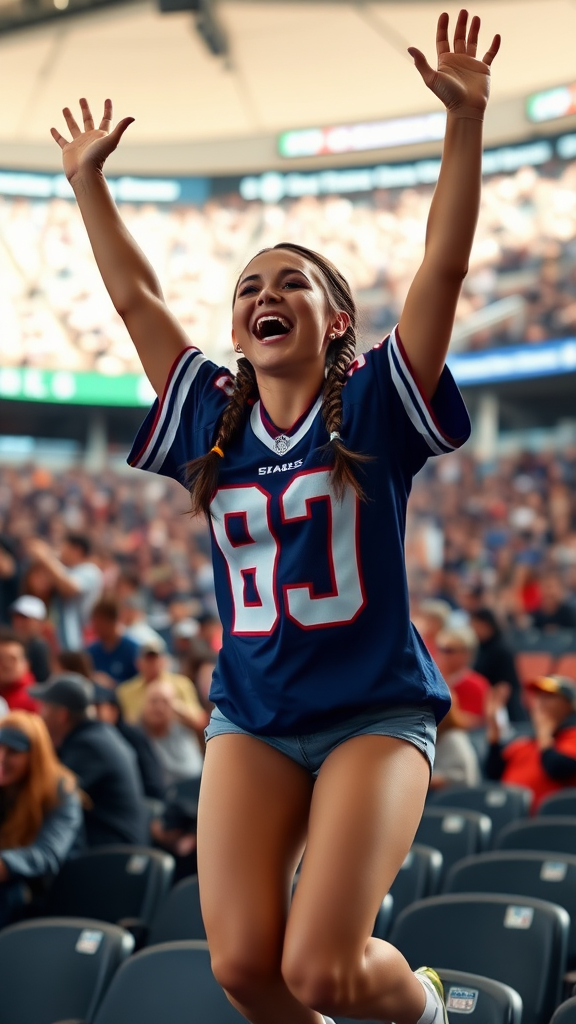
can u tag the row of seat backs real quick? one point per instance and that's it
(172, 982)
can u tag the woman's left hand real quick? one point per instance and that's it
(462, 82)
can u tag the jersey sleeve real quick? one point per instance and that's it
(421, 427)
(180, 426)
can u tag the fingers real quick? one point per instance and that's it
(472, 44)
(491, 53)
(460, 32)
(422, 64)
(107, 116)
(86, 115)
(121, 128)
(442, 44)
(71, 122)
(58, 138)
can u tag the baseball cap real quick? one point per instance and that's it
(69, 690)
(14, 738)
(563, 686)
(104, 695)
(153, 646)
(29, 606)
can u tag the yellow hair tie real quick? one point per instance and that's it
(218, 451)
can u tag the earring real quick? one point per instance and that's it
(332, 336)
(237, 348)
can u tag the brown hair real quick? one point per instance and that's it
(38, 794)
(107, 608)
(203, 471)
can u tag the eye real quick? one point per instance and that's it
(246, 291)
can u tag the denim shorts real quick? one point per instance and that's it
(414, 724)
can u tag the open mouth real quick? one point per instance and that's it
(271, 327)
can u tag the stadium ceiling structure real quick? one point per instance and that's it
(212, 82)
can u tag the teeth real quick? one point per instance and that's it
(278, 319)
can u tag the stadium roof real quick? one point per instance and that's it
(288, 65)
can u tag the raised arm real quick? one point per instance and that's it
(463, 85)
(128, 276)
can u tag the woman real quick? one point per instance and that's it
(304, 463)
(40, 812)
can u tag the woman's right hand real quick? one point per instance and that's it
(89, 149)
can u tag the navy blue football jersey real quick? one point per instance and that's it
(311, 590)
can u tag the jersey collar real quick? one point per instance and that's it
(281, 441)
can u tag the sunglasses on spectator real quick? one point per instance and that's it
(451, 650)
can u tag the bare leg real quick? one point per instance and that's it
(252, 821)
(366, 807)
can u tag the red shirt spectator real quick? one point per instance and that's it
(15, 674)
(455, 651)
(545, 762)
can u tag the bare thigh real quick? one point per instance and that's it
(367, 804)
(252, 822)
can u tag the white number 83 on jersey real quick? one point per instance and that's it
(252, 562)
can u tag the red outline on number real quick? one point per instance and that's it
(252, 572)
(244, 516)
(308, 586)
(268, 496)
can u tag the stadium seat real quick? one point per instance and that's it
(566, 1013)
(502, 804)
(185, 792)
(561, 804)
(541, 875)
(418, 877)
(456, 833)
(521, 942)
(483, 1000)
(121, 884)
(178, 916)
(384, 917)
(52, 969)
(546, 833)
(168, 984)
(530, 664)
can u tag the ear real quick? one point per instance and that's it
(339, 324)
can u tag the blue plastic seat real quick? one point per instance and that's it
(502, 804)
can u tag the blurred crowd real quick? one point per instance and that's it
(109, 634)
(521, 286)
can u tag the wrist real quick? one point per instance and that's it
(465, 113)
(86, 175)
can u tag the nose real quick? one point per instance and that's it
(268, 293)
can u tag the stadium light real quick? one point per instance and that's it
(208, 26)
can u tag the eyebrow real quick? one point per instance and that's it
(283, 273)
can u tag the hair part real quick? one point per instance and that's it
(203, 472)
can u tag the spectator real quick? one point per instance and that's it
(133, 618)
(40, 813)
(74, 661)
(112, 652)
(455, 652)
(28, 614)
(431, 617)
(77, 581)
(546, 762)
(15, 674)
(102, 761)
(172, 730)
(152, 665)
(495, 660)
(554, 612)
(108, 710)
(455, 761)
(8, 576)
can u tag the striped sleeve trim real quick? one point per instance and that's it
(417, 406)
(165, 425)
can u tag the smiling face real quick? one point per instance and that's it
(282, 319)
(14, 765)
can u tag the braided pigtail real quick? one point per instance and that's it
(203, 472)
(340, 357)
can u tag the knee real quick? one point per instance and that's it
(243, 975)
(322, 983)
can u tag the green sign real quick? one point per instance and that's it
(34, 385)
